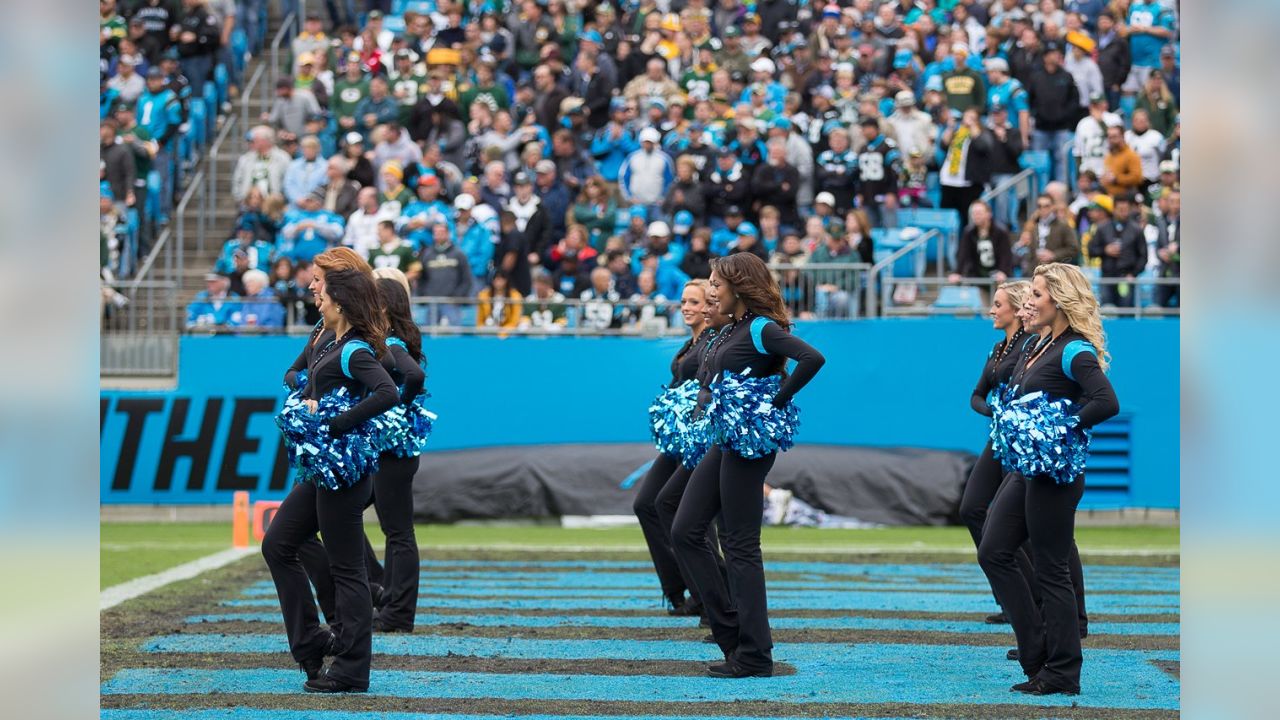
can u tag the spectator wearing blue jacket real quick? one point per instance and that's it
(614, 142)
(647, 173)
(419, 216)
(1151, 27)
(257, 252)
(477, 240)
(775, 95)
(260, 307)
(306, 172)
(310, 229)
(1005, 90)
(213, 306)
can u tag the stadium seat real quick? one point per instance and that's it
(946, 222)
(211, 108)
(959, 297)
(239, 48)
(197, 128)
(933, 189)
(221, 80)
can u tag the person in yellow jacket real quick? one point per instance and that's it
(499, 304)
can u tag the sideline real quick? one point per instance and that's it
(131, 589)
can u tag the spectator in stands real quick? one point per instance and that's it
(544, 308)
(361, 233)
(879, 165)
(394, 192)
(1122, 168)
(260, 307)
(309, 229)
(307, 172)
(685, 193)
(748, 241)
(225, 14)
(312, 39)
(161, 116)
(1122, 249)
(964, 87)
(646, 173)
(697, 260)
(1114, 58)
(966, 168)
(1168, 250)
(376, 109)
(445, 274)
(1158, 102)
(1007, 91)
(1171, 73)
(212, 307)
(1148, 144)
(396, 146)
(156, 17)
(1055, 105)
(340, 193)
(1006, 149)
(1046, 238)
(127, 83)
(361, 171)
(118, 159)
(595, 210)
(1080, 63)
(392, 252)
(986, 248)
(913, 128)
(778, 181)
(262, 167)
(197, 36)
(1091, 135)
(601, 306)
(256, 252)
(300, 303)
(552, 194)
(476, 237)
(290, 111)
(857, 231)
(1150, 28)
(498, 304)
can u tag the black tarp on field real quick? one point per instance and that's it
(891, 486)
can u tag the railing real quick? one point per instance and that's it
(1006, 198)
(917, 249)
(285, 31)
(140, 328)
(972, 296)
(172, 241)
(822, 291)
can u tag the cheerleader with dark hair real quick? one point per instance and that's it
(341, 363)
(745, 410)
(1060, 392)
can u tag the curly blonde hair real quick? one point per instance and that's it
(1070, 289)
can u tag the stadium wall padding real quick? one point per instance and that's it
(900, 383)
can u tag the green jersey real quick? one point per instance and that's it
(696, 81)
(398, 256)
(495, 96)
(346, 95)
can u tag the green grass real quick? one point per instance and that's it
(131, 550)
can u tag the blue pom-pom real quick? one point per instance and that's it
(325, 460)
(670, 417)
(741, 416)
(1037, 435)
(300, 383)
(411, 426)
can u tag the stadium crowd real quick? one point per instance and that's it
(520, 154)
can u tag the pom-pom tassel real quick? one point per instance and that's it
(328, 461)
(1036, 435)
(411, 427)
(742, 417)
(670, 417)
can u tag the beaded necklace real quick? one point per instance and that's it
(1004, 350)
(336, 341)
(717, 342)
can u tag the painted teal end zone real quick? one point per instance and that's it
(869, 673)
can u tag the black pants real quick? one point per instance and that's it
(1044, 512)
(338, 515)
(656, 535)
(732, 486)
(959, 199)
(393, 499)
(979, 491)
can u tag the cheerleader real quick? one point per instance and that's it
(729, 480)
(1060, 390)
(393, 483)
(684, 368)
(346, 356)
(987, 473)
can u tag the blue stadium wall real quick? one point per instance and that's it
(902, 382)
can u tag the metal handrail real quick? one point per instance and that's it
(248, 91)
(196, 184)
(879, 268)
(1007, 185)
(276, 42)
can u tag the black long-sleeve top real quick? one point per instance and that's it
(761, 346)
(405, 372)
(1001, 363)
(361, 373)
(1069, 369)
(684, 366)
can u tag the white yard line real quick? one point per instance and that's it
(117, 594)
